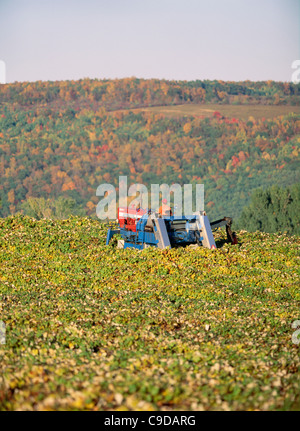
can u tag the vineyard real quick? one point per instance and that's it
(90, 327)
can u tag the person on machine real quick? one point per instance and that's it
(164, 209)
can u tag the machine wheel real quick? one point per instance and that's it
(199, 242)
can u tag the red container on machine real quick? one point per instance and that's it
(129, 216)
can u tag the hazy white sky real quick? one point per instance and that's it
(172, 39)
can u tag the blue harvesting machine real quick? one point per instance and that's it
(142, 228)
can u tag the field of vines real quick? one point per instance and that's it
(93, 327)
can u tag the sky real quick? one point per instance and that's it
(230, 40)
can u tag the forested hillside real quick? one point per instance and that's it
(133, 92)
(66, 138)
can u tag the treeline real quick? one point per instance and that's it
(134, 92)
(275, 209)
(58, 209)
(48, 153)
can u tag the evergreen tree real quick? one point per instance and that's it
(273, 210)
